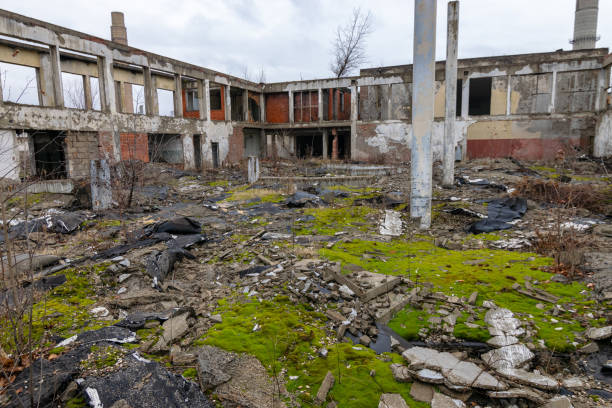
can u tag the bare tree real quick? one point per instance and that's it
(349, 45)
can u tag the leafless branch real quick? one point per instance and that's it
(349, 45)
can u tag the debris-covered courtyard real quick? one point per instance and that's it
(313, 287)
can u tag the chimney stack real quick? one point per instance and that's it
(118, 30)
(585, 24)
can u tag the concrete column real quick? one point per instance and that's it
(291, 118)
(448, 159)
(553, 93)
(101, 192)
(188, 152)
(206, 101)
(107, 85)
(334, 144)
(262, 107)
(423, 110)
(56, 74)
(245, 105)
(465, 98)
(149, 91)
(178, 96)
(325, 141)
(87, 91)
(601, 84)
(354, 115)
(509, 96)
(320, 102)
(1, 97)
(228, 104)
(45, 81)
(120, 92)
(389, 102)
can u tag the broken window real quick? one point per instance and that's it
(19, 84)
(74, 94)
(165, 148)
(94, 84)
(138, 99)
(49, 154)
(480, 96)
(165, 102)
(254, 110)
(215, 99)
(191, 100)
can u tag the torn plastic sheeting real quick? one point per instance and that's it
(500, 213)
(160, 264)
(301, 199)
(481, 183)
(61, 223)
(180, 225)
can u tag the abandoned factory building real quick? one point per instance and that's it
(90, 98)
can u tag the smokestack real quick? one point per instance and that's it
(118, 30)
(585, 24)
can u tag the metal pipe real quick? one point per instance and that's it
(422, 110)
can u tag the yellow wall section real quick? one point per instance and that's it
(499, 92)
(439, 100)
(500, 129)
(19, 56)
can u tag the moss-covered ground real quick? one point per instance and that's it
(328, 221)
(63, 311)
(489, 272)
(287, 336)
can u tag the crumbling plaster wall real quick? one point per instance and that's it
(9, 155)
(602, 146)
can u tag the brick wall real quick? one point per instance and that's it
(306, 106)
(277, 107)
(134, 146)
(219, 114)
(81, 148)
(105, 145)
(236, 146)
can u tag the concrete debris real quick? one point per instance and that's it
(529, 378)
(392, 224)
(599, 333)
(503, 323)
(326, 385)
(392, 401)
(442, 401)
(513, 356)
(421, 391)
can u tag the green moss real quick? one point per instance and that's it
(57, 350)
(102, 357)
(64, 311)
(76, 402)
(100, 224)
(219, 183)
(489, 272)
(190, 373)
(462, 331)
(19, 201)
(328, 221)
(288, 338)
(408, 321)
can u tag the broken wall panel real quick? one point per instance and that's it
(134, 146)
(531, 94)
(576, 91)
(401, 102)
(164, 148)
(306, 106)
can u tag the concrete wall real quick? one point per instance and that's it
(9, 155)
(81, 148)
(602, 146)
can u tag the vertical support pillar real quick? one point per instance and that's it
(206, 99)
(320, 104)
(149, 92)
(262, 107)
(553, 94)
(120, 92)
(245, 105)
(423, 110)
(188, 152)
(101, 193)
(87, 91)
(201, 101)
(228, 103)
(325, 141)
(465, 98)
(334, 144)
(354, 101)
(448, 159)
(178, 96)
(253, 169)
(509, 96)
(389, 115)
(291, 118)
(2, 98)
(107, 85)
(56, 70)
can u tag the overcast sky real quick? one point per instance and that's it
(291, 39)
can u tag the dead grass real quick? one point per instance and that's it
(596, 200)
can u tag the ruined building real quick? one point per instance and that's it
(90, 98)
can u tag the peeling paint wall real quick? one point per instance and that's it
(9, 155)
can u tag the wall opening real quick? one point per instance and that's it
(215, 98)
(252, 142)
(309, 145)
(459, 97)
(214, 147)
(254, 114)
(480, 96)
(237, 103)
(197, 151)
(19, 84)
(165, 148)
(165, 102)
(94, 85)
(138, 99)
(49, 154)
(74, 93)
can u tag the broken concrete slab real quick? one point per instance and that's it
(326, 385)
(508, 357)
(524, 393)
(392, 224)
(430, 376)
(502, 322)
(559, 402)
(400, 373)
(442, 401)
(529, 378)
(392, 401)
(174, 329)
(501, 341)
(599, 333)
(421, 391)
